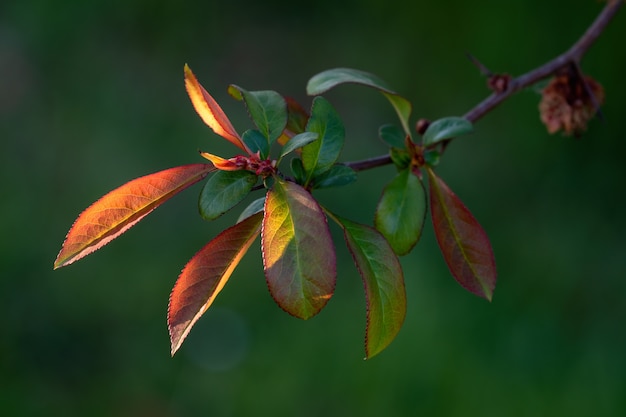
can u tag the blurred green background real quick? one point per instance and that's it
(91, 95)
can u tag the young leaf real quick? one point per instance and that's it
(463, 242)
(267, 109)
(210, 112)
(123, 207)
(256, 142)
(223, 191)
(393, 136)
(298, 252)
(320, 155)
(446, 128)
(326, 80)
(383, 281)
(401, 212)
(298, 141)
(205, 275)
(337, 176)
(298, 170)
(297, 118)
(253, 208)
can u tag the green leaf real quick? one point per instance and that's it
(401, 212)
(324, 81)
(339, 175)
(256, 142)
(383, 281)
(298, 170)
(205, 275)
(298, 252)
(122, 208)
(320, 155)
(223, 191)
(463, 242)
(253, 208)
(400, 157)
(298, 141)
(393, 136)
(446, 128)
(267, 109)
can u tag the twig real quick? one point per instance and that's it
(573, 55)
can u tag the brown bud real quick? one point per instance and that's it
(422, 125)
(499, 82)
(568, 104)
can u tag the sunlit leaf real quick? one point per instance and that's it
(401, 211)
(205, 275)
(298, 141)
(221, 163)
(338, 175)
(256, 142)
(393, 136)
(297, 118)
(320, 155)
(223, 191)
(123, 207)
(324, 81)
(298, 252)
(446, 128)
(463, 242)
(383, 281)
(267, 109)
(210, 112)
(253, 208)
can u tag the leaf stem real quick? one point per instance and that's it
(572, 56)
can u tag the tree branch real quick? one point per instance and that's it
(573, 55)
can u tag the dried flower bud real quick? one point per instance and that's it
(566, 103)
(422, 125)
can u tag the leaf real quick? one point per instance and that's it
(463, 242)
(221, 163)
(446, 128)
(336, 176)
(324, 81)
(256, 142)
(298, 170)
(393, 136)
(297, 118)
(210, 112)
(298, 141)
(253, 208)
(383, 280)
(205, 275)
(223, 191)
(267, 109)
(320, 155)
(298, 252)
(123, 207)
(401, 212)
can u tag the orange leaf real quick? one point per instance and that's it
(205, 275)
(221, 163)
(120, 209)
(210, 112)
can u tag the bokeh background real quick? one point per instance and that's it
(91, 95)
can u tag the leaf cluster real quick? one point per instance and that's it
(290, 153)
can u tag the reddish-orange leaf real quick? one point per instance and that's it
(205, 275)
(120, 209)
(463, 242)
(221, 163)
(210, 112)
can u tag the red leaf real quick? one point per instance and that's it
(463, 242)
(298, 252)
(211, 112)
(120, 209)
(205, 275)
